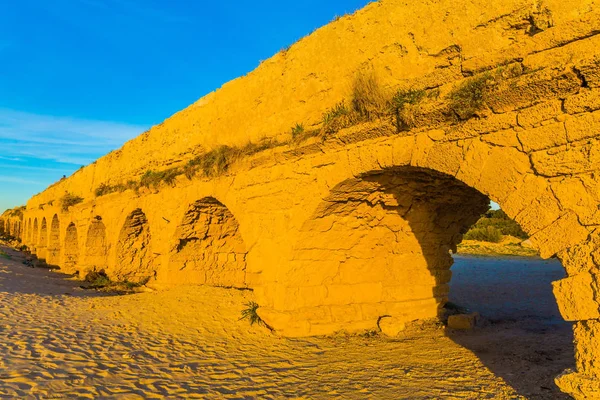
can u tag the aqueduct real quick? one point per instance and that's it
(338, 231)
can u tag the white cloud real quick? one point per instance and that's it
(10, 179)
(61, 139)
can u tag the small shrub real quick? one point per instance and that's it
(339, 110)
(155, 179)
(189, 170)
(469, 98)
(484, 234)
(18, 212)
(404, 106)
(337, 118)
(103, 189)
(297, 131)
(368, 98)
(251, 315)
(97, 279)
(132, 185)
(217, 161)
(252, 148)
(133, 285)
(69, 200)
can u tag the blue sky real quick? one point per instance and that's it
(78, 78)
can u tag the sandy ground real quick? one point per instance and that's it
(59, 341)
(508, 246)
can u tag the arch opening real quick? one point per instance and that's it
(96, 248)
(208, 247)
(53, 257)
(376, 255)
(43, 242)
(135, 260)
(378, 245)
(71, 256)
(29, 232)
(35, 237)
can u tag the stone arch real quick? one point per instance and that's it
(29, 232)
(134, 257)
(35, 238)
(71, 252)
(96, 247)
(1, 226)
(208, 247)
(378, 245)
(43, 242)
(53, 256)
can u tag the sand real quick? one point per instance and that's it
(60, 341)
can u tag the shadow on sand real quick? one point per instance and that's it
(523, 340)
(18, 277)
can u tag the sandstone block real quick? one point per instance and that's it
(532, 116)
(580, 386)
(576, 297)
(584, 101)
(543, 137)
(573, 159)
(583, 127)
(565, 232)
(587, 347)
(463, 321)
(391, 326)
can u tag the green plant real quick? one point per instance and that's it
(97, 279)
(337, 111)
(251, 315)
(469, 97)
(189, 170)
(297, 131)
(404, 106)
(103, 189)
(69, 200)
(155, 179)
(500, 221)
(484, 234)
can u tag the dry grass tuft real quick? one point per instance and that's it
(369, 99)
(404, 106)
(68, 200)
(468, 99)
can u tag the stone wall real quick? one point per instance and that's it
(11, 223)
(339, 231)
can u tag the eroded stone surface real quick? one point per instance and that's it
(336, 233)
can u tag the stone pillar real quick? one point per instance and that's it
(578, 298)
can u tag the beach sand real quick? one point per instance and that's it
(60, 341)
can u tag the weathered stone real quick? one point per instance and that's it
(578, 158)
(580, 386)
(583, 127)
(463, 321)
(587, 353)
(391, 326)
(584, 101)
(552, 239)
(544, 137)
(332, 232)
(576, 297)
(533, 116)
